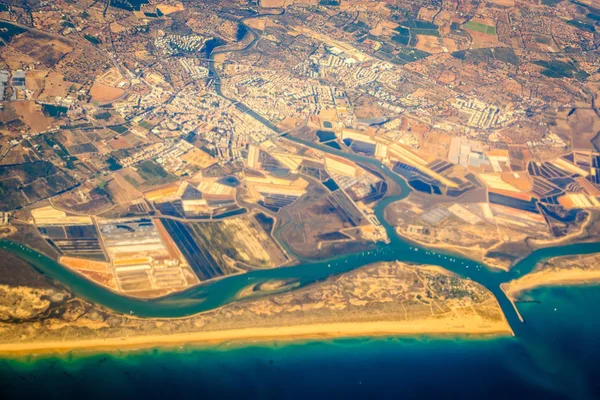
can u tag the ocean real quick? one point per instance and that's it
(554, 358)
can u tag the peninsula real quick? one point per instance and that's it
(566, 270)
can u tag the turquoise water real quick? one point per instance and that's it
(554, 359)
(215, 294)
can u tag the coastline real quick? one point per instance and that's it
(474, 253)
(467, 327)
(479, 255)
(380, 299)
(549, 277)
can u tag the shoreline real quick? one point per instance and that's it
(550, 277)
(261, 335)
(546, 278)
(503, 287)
(472, 253)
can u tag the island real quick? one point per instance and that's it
(390, 298)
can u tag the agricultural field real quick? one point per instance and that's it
(102, 93)
(147, 175)
(53, 85)
(90, 198)
(479, 27)
(32, 115)
(215, 249)
(429, 44)
(198, 158)
(307, 226)
(483, 32)
(240, 239)
(121, 191)
(11, 196)
(24, 184)
(41, 47)
(152, 174)
(76, 142)
(409, 32)
(18, 154)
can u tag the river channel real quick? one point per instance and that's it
(218, 293)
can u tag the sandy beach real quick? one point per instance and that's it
(381, 299)
(444, 326)
(550, 277)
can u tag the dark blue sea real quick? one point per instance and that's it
(557, 358)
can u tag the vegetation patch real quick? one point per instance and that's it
(146, 125)
(8, 31)
(479, 27)
(506, 54)
(409, 55)
(103, 115)
(151, 171)
(54, 111)
(118, 128)
(560, 69)
(582, 25)
(92, 39)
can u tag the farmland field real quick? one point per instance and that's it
(478, 27)
(148, 174)
(149, 170)
(240, 239)
(36, 180)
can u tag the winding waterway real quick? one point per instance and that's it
(538, 354)
(215, 294)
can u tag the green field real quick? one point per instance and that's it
(152, 174)
(118, 128)
(103, 115)
(151, 171)
(146, 125)
(477, 27)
